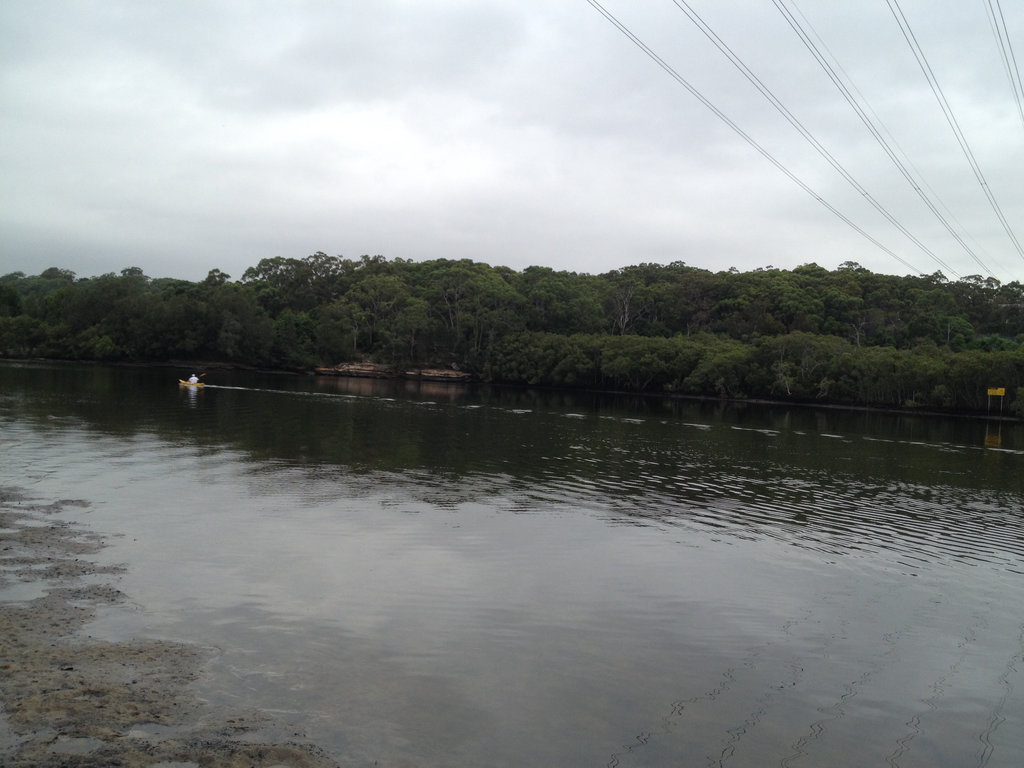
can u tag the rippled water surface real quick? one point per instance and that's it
(444, 576)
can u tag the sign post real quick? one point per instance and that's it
(999, 392)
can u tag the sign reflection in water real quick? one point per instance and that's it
(434, 575)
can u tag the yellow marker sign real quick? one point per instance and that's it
(997, 392)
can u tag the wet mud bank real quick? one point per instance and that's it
(67, 699)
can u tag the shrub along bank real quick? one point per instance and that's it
(846, 336)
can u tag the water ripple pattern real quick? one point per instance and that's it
(697, 485)
(441, 576)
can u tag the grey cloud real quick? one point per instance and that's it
(190, 135)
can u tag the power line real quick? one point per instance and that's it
(854, 103)
(775, 102)
(890, 139)
(998, 24)
(739, 131)
(922, 62)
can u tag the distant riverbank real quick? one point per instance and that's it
(996, 410)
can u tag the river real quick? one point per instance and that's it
(438, 574)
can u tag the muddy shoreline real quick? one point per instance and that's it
(70, 700)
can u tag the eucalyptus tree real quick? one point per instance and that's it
(298, 284)
(10, 301)
(561, 302)
(474, 305)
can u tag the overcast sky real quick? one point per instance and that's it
(190, 135)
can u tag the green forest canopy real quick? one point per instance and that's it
(808, 334)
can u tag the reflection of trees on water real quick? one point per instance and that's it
(902, 504)
(829, 480)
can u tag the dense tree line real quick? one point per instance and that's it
(842, 336)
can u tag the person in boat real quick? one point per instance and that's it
(193, 379)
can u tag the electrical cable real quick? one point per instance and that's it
(908, 34)
(739, 131)
(830, 71)
(998, 23)
(890, 139)
(786, 113)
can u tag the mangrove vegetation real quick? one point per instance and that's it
(845, 336)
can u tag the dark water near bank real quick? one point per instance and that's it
(427, 574)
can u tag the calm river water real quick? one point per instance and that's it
(437, 575)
